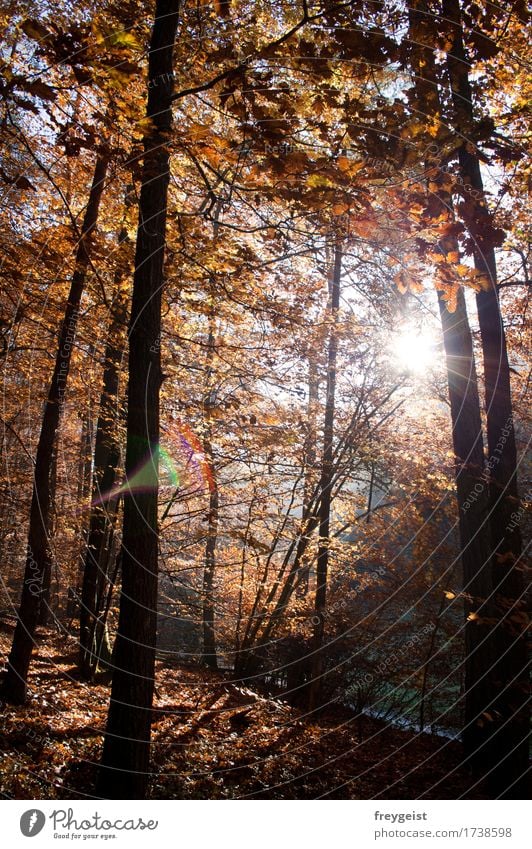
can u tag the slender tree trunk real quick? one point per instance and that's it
(106, 459)
(326, 481)
(84, 487)
(124, 770)
(46, 596)
(309, 458)
(101, 631)
(239, 662)
(510, 713)
(37, 573)
(209, 640)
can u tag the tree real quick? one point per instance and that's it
(509, 713)
(127, 737)
(326, 482)
(473, 508)
(209, 639)
(306, 499)
(107, 449)
(36, 583)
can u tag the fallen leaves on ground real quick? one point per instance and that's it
(214, 738)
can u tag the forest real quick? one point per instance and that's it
(264, 340)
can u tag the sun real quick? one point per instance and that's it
(413, 350)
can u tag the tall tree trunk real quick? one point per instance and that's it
(84, 487)
(510, 713)
(468, 444)
(38, 569)
(475, 538)
(209, 640)
(46, 596)
(309, 458)
(106, 459)
(124, 770)
(326, 481)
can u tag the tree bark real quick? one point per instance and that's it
(124, 770)
(209, 639)
(326, 481)
(309, 458)
(475, 539)
(37, 574)
(106, 459)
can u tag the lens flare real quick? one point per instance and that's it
(172, 473)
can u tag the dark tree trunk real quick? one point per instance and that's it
(124, 770)
(510, 710)
(209, 638)
(38, 569)
(475, 539)
(84, 487)
(45, 602)
(106, 459)
(326, 481)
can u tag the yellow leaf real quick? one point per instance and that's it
(124, 39)
(318, 181)
(118, 77)
(145, 125)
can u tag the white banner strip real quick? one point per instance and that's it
(267, 824)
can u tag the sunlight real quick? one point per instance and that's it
(413, 350)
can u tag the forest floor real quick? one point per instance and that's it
(215, 739)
